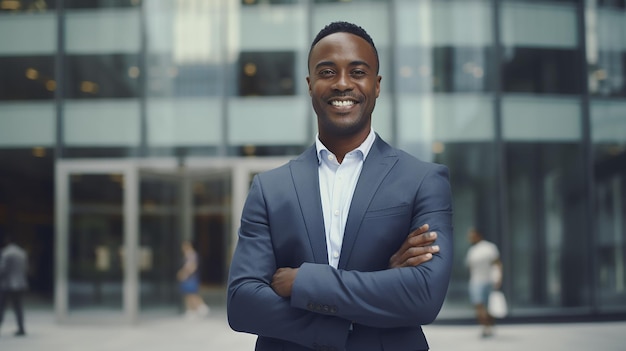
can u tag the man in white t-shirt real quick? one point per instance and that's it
(485, 267)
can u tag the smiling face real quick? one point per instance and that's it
(343, 84)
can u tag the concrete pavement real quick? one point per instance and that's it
(172, 332)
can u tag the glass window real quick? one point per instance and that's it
(475, 201)
(443, 69)
(187, 76)
(28, 6)
(541, 71)
(27, 78)
(268, 2)
(543, 1)
(343, 1)
(547, 255)
(606, 57)
(96, 4)
(27, 123)
(608, 122)
(102, 76)
(266, 73)
(612, 3)
(27, 210)
(606, 53)
(608, 76)
(168, 78)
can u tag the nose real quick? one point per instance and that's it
(343, 82)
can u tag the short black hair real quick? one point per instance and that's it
(345, 27)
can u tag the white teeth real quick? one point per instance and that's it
(342, 103)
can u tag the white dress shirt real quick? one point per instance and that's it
(337, 184)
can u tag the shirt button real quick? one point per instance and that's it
(336, 212)
(331, 157)
(335, 254)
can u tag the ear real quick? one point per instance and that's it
(308, 82)
(378, 79)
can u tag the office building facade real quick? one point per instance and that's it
(129, 125)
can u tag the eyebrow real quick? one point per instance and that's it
(353, 63)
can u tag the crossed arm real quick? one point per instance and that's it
(416, 249)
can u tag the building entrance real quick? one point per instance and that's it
(120, 223)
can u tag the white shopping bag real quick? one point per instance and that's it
(497, 306)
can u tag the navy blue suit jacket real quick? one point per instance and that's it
(362, 305)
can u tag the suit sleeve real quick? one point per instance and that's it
(253, 306)
(398, 297)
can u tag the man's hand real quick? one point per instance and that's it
(282, 281)
(416, 249)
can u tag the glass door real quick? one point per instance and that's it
(96, 239)
(161, 212)
(211, 225)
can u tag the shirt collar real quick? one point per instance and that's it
(364, 148)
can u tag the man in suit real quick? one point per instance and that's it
(13, 283)
(337, 248)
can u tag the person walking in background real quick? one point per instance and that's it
(13, 281)
(189, 282)
(485, 268)
(336, 249)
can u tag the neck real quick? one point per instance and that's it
(341, 145)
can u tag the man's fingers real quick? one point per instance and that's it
(422, 239)
(417, 248)
(416, 255)
(418, 237)
(422, 229)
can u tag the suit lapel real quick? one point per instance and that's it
(305, 174)
(378, 163)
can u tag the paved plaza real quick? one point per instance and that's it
(172, 332)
